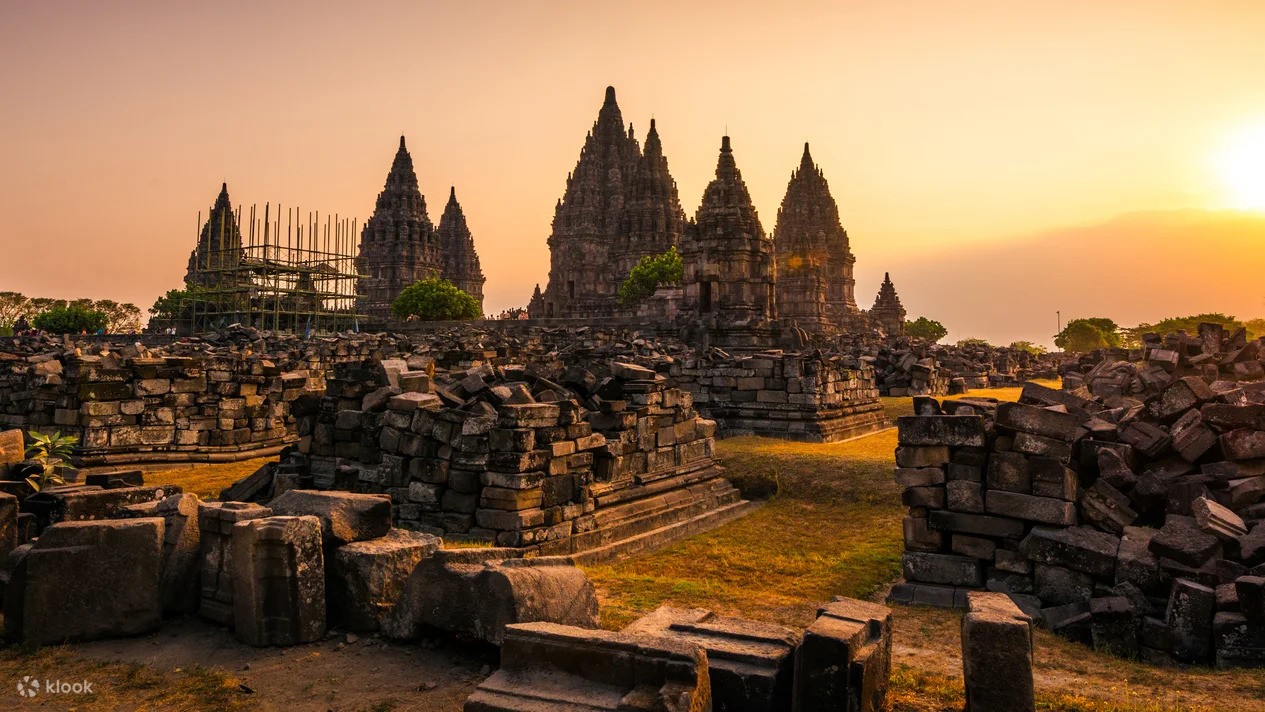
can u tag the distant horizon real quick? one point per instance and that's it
(966, 149)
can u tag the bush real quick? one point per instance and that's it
(924, 328)
(72, 319)
(435, 299)
(650, 272)
(1034, 349)
(973, 342)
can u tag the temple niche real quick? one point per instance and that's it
(814, 260)
(399, 245)
(730, 270)
(620, 205)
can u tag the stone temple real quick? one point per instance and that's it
(887, 311)
(741, 286)
(399, 245)
(620, 205)
(219, 248)
(814, 260)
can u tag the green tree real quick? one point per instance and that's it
(435, 299)
(924, 328)
(1255, 328)
(12, 306)
(70, 320)
(1034, 349)
(651, 272)
(1080, 336)
(120, 318)
(39, 305)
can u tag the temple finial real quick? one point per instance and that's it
(610, 95)
(402, 142)
(724, 144)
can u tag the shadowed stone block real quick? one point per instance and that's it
(366, 578)
(215, 521)
(547, 666)
(86, 580)
(278, 581)
(478, 592)
(1191, 607)
(845, 660)
(996, 655)
(750, 663)
(73, 504)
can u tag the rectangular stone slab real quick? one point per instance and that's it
(750, 663)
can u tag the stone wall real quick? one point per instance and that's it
(1136, 526)
(545, 456)
(185, 401)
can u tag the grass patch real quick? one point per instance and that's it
(121, 685)
(206, 479)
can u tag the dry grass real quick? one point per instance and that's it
(118, 685)
(203, 479)
(831, 527)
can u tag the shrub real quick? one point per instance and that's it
(924, 328)
(1034, 349)
(435, 299)
(71, 319)
(53, 453)
(650, 272)
(968, 342)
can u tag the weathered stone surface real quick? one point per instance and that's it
(366, 578)
(70, 504)
(478, 592)
(1250, 591)
(750, 663)
(997, 655)
(547, 666)
(951, 430)
(345, 517)
(1104, 506)
(1137, 565)
(182, 552)
(1238, 641)
(1181, 540)
(1191, 607)
(1113, 626)
(1038, 421)
(980, 524)
(215, 522)
(1080, 548)
(1028, 507)
(943, 569)
(278, 580)
(86, 580)
(1217, 520)
(845, 660)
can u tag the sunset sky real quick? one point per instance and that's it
(1003, 160)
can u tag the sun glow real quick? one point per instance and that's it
(1241, 165)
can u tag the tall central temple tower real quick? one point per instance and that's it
(399, 245)
(619, 206)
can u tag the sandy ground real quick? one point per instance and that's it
(333, 674)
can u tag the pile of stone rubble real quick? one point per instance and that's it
(1213, 354)
(1137, 525)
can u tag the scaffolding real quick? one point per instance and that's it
(283, 273)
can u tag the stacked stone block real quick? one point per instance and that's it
(505, 454)
(1131, 525)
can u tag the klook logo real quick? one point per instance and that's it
(30, 687)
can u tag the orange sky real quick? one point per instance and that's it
(946, 129)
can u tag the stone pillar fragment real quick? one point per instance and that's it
(215, 521)
(996, 655)
(278, 581)
(366, 578)
(845, 660)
